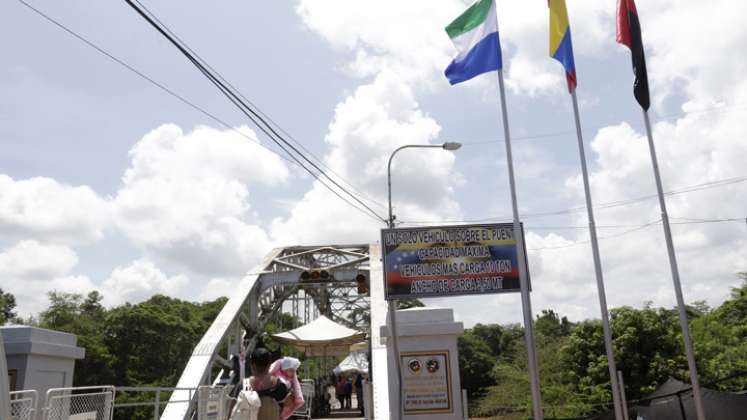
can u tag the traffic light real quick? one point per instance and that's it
(315, 276)
(362, 283)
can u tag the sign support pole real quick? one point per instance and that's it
(526, 303)
(622, 395)
(598, 267)
(697, 396)
(392, 306)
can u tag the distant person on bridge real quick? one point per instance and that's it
(359, 392)
(341, 391)
(287, 368)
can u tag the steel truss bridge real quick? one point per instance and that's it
(303, 280)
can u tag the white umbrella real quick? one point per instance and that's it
(321, 337)
(355, 362)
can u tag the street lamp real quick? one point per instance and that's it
(451, 146)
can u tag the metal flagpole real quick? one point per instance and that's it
(675, 276)
(526, 303)
(598, 267)
(622, 395)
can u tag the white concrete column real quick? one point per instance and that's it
(430, 363)
(4, 387)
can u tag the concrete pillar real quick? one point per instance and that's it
(430, 364)
(4, 388)
(40, 359)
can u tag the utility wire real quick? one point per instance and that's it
(257, 119)
(617, 235)
(607, 205)
(228, 126)
(279, 128)
(562, 133)
(180, 97)
(637, 228)
(148, 78)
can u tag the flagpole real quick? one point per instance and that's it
(526, 303)
(697, 396)
(598, 266)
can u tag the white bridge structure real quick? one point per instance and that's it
(321, 279)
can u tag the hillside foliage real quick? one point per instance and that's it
(573, 365)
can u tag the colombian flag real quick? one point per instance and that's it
(561, 47)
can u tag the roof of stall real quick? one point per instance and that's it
(321, 337)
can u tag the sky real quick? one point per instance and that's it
(109, 183)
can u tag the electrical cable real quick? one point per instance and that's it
(640, 227)
(595, 127)
(257, 119)
(279, 128)
(151, 80)
(181, 98)
(228, 126)
(607, 205)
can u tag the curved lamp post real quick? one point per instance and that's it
(451, 146)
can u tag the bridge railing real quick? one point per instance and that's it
(23, 405)
(147, 402)
(82, 403)
(120, 403)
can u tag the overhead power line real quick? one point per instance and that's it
(562, 133)
(274, 124)
(640, 227)
(607, 205)
(257, 119)
(189, 103)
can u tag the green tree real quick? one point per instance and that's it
(63, 312)
(500, 338)
(84, 317)
(647, 346)
(150, 342)
(720, 341)
(550, 324)
(734, 310)
(475, 363)
(7, 307)
(510, 397)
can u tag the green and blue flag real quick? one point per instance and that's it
(475, 35)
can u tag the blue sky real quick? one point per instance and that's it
(107, 182)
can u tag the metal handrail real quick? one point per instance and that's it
(157, 403)
(30, 395)
(103, 389)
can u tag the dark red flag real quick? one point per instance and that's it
(629, 33)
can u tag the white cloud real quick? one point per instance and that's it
(218, 287)
(692, 151)
(368, 126)
(707, 60)
(186, 197)
(29, 270)
(141, 280)
(45, 209)
(30, 259)
(406, 38)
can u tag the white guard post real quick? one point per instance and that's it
(4, 388)
(430, 364)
